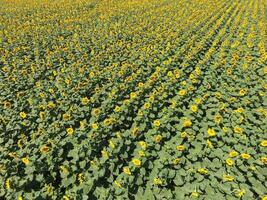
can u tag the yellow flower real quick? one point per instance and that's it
(82, 124)
(107, 122)
(7, 183)
(63, 169)
(211, 132)
(245, 156)
(20, 198)
(70, 131)
(91, 74)
(198, 101)
(66, 116)
(127, 171)
(193, 108)
(85, 100)
(94, 126)
(25, 161)
(264, 160)
(195, 194)
(51, 105)
(184, 134)
(104, 153)
(156, 123)
(228, 178)
(23, 115)
(140, 84)
(158, 181)
(217, 118)
(187, 123)
(151, 98)
(80, 178)
(233, 154)
(240, 110)
(158, 138)
(44, 149)
(147, 105)
(238, 130)
(118, 184)
(141, 153)
(142, 144)
(111, 144)
(7, 104)
(95, 112)
(242, 92)
(135, 131)
(264, 143)
(176, 161)
(264, 198)
(117, 109)
(65, 197)
(180, 147)
(225, 129)
(183, 83)
(20, 143)
(182, 92)
(202, 171)
(136, 162)
(209, 143)
(42, 115)
(240, 193)
(133, 95)
(229, 162)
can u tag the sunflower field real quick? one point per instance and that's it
(133, 99)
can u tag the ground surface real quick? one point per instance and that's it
(144, 99)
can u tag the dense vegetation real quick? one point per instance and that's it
(133, 99)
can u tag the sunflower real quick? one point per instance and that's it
(51, 105)
(66, 116)
(156, 123)
(264, 143)
(233, 154)
(193, 108)
(182, 92)
(42, 115)
(227, 178)
(229, 162)
(95, 112)
(107, 121)
(44, 149)
(133, 95)
(70, 131)
(238, 130)
(142, 144)
(147, 105)
(127, 170)
(202, 171)
(23, 115)
(117, 109)
(245, 156)
(211, 132)
(180, 147)
(242, 92)
(176, 161)
(85, 100)
(25, 160)
(158, 181)
(94, 126)
(136, 162)
(158, 138)
(187, 123)
(217, 118)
